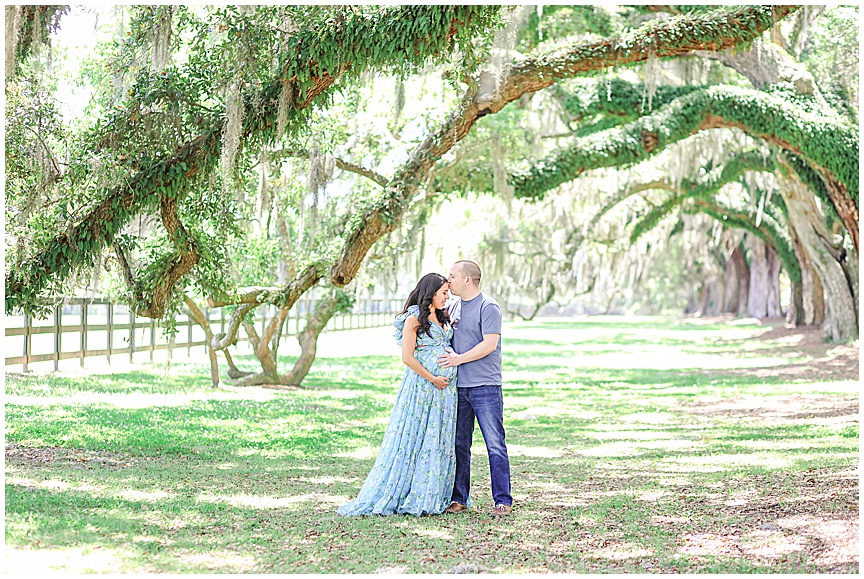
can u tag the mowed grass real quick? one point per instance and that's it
(637, 445)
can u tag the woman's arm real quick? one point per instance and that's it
(409, 342)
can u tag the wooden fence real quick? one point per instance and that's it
(105, 329)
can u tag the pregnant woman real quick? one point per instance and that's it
(416, 466)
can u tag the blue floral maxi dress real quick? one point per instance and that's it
(416, 466)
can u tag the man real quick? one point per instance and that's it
(476, 320)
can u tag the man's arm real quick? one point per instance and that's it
(484, 348)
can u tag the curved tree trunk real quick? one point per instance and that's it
(812, 307)
(265, 346)
(841, 320)
(850, 268)
(325, 309)
(196, 314)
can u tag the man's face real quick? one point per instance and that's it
(456, 281)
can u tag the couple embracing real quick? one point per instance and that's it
(454, 376)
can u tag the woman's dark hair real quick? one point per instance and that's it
(422, 295)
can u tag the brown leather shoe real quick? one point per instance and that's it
(501, 510)
(455, 508)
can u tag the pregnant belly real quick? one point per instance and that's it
(429, 358)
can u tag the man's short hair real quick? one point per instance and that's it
(470, 269)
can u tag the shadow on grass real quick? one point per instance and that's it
(614, 469)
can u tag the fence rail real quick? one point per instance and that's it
(107, 329)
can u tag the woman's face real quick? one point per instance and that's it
(439, 300)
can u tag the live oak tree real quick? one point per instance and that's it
(251, 78)
(818, 145)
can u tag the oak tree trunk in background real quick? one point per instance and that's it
(742, 273)
(841, 321)
(812, 305)
(712, 297)
(775, 310)
(730, 288)
(757, 300)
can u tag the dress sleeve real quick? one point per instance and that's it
(399, 324)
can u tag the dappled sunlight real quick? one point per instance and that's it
(50, 561)
(614, 449)
(532, 412)
(149, 496)
(650, 496)
(648, 418)
(222, 561)
(434, 534)
(136, 400)
(620, 551)
(537, 451)
(625, 432)
(327, 480)
(722, 462)
(52, 485)
(362, 453)
(739, 499)
(267, 502)
(670, 520)
(615, 470)
(631, 448)
(771, 543)
(710, 544)
(838, 536)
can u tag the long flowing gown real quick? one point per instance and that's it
(416, 466)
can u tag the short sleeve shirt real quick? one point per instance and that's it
(471, 319)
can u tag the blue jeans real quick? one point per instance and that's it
(486, 403)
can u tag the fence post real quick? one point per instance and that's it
(58, 327)
(27, 343)
(83, 330)
(152, 338)
(110, 330)
(189, 335)
(131, 335)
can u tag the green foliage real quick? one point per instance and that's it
(615, 97)
(822, 141)
(741, 216)
(35, 25)
(149, 133)
(831, 55)
(559, 21)
(768, 230)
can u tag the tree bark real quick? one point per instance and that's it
(196, 314)
(742, 271)
(775, 309)
(841, 321)
(757, 301)
(324, 310)
(811, 309)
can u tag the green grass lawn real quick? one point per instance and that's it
(637, 445)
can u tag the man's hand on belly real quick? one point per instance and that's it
(449, 360)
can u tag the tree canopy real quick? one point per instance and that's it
(248, 154)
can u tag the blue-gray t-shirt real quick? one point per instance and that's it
(471, 319)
